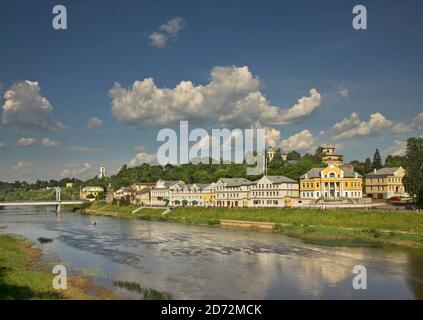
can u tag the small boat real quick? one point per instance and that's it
(94, 223)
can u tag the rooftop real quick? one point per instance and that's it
(315, 172)
(236, 182)
(280, 179)
(383, 172)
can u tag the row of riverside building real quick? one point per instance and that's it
(334, 183)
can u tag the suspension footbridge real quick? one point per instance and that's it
(57, 203)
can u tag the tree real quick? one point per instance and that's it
(396, 161)
(368, 165)
(277, 161)
(293, 155)
(318, 154)
(413, 179)
(377, 160)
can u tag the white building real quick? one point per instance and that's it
(273, 191)
(90, 193)
(160, 193)
(189, 194)
(233, 192)
(123, 193)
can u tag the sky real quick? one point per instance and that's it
(100, 91)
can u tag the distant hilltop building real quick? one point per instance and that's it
(329, 155)
(270, 154)
(90, 193)
(102, 172)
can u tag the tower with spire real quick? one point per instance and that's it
(102, 171)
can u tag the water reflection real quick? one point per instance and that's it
(209, 262)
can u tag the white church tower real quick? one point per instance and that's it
(102, 172)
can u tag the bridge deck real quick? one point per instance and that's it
(40, 203)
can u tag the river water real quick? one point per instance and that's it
(196, 262)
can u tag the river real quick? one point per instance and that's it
(196, 262)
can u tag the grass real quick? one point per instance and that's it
(148, 293)
(24, 276)
(338, 227)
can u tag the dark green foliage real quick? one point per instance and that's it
(396, 161)
(377, 160)
(293, 155)
(294, 171)
(413, 179)
(362, 168)
(277, 161)
(37, 191)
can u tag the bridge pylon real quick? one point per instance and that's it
(58, 209)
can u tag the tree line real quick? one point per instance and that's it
(294, 166)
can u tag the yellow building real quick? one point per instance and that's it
(209, 195)
(386, 183)
(332, 183)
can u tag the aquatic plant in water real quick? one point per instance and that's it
(43, 240)
(148, 293)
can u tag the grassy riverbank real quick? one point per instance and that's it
(325, 227)
(24, 276)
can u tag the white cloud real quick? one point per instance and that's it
(141, 158)
(232, 98)
(303, 140)
(343, 92)
(173, 26)
(401, 128)
(48, 143)
(273, 136)
(22, 166)
(255, 107)
(25, 109)
(26, 142)
(168, 31)
(74, 171)
(397, 149)
(2, 145)
(417, 123)
(158, 39)
(354, 127)
(94, 122)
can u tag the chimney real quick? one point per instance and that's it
(374, 170)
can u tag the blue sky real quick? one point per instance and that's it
(288, 47)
